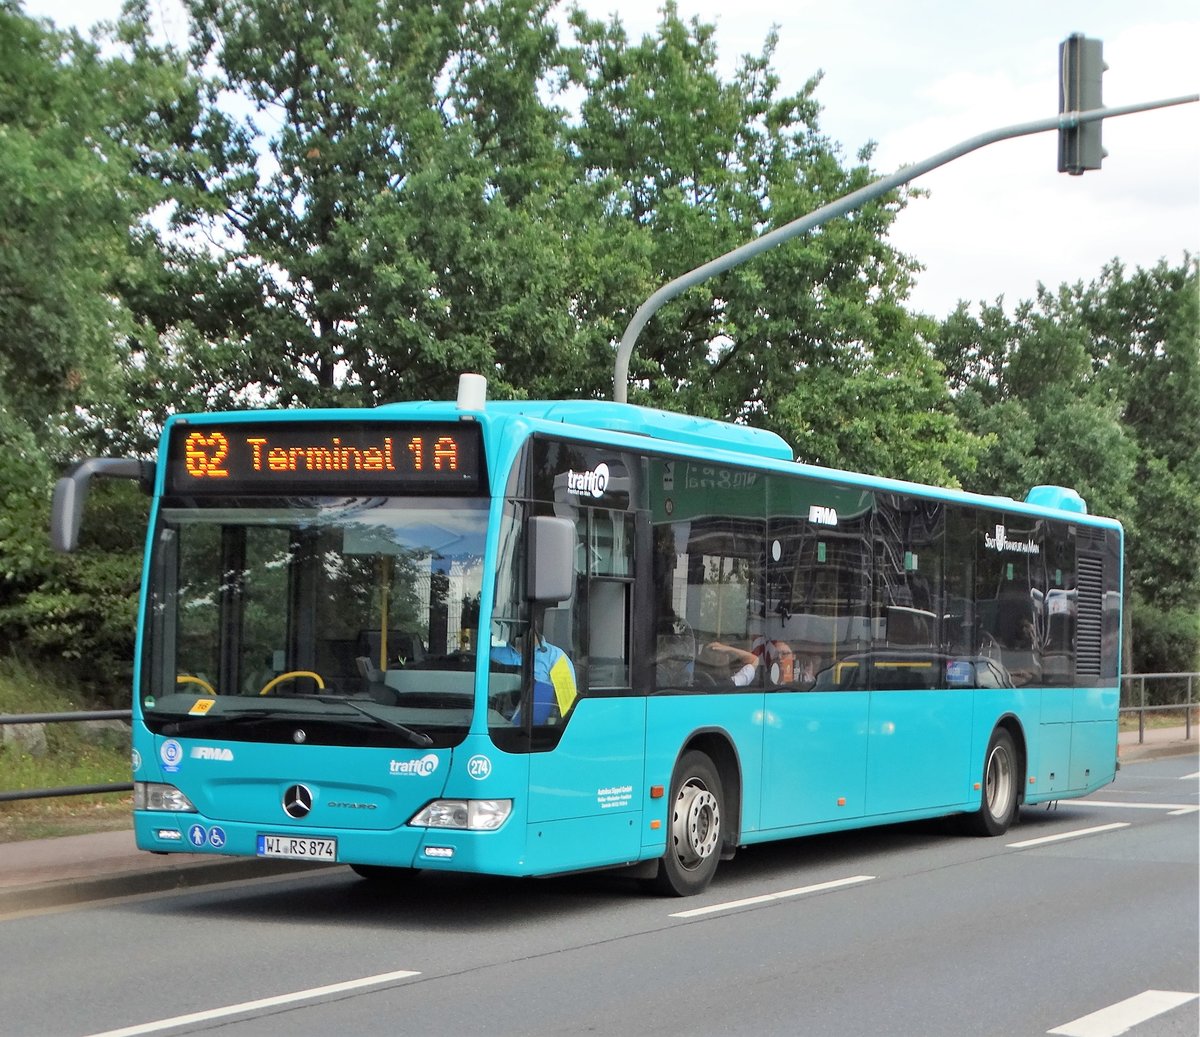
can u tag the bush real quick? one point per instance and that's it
(75, 617)
(70, 758)
(1164, 641)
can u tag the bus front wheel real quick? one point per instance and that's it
(693, 828)
(1001, 784)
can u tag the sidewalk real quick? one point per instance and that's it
(1158, 742)
(75, 869)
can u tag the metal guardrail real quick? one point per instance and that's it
(64, 718)
(1187, 706)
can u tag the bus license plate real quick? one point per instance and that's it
(297, 848)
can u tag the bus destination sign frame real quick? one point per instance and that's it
(332, 458)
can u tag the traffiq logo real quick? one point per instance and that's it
(588, 484)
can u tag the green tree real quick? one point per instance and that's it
(1098, 387)
(355, 201)
(75, 127)
(1145, 329)
(63, 228)
(405, 198)
(1025, 385)
(811, 339)
(380, 203)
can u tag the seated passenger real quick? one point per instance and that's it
(780, 663)
(743, 676)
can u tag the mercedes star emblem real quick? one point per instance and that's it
(297, 801)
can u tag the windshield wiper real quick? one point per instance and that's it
(419, 738)
(188, 724)
(194, 725)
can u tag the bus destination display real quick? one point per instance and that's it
(323, 457)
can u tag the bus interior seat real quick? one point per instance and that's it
(402, 645)
(373, 679)
(675, 659)
(904, 678)
(337, 658)
(556, 628)
(367, 669)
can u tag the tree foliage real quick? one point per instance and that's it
(1098, 387)
(72, 126)
(338, 202)
(811, 339)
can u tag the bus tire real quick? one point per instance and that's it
(693, 828)
(1001, 787)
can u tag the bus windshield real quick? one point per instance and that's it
(358, 616)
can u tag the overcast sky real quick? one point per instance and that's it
(922, 76)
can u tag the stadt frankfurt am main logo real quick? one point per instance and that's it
(999, 542)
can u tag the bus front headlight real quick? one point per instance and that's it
(153, 795)
(472, 815)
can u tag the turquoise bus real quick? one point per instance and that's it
(530, 638)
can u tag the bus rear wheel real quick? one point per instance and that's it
(693, 828)
(1001, 785)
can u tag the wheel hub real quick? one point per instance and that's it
(696, 825)
(999, 781)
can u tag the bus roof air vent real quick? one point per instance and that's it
(667, 426)
(1061, 498)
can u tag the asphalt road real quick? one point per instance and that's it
(1081, 921)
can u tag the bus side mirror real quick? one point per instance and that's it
(70, 494)
(550, 573)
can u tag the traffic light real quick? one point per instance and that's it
(1080, 72)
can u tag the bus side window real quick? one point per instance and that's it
(708, 589)
(607, 593)
(608, 647)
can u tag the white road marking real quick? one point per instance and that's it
(1068, 835)
(1175, 809)
(1124, 1015)
(1190, 777)
(766, 898)
(253, 1006)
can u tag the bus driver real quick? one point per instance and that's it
(553, 676)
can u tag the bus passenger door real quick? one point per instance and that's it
(586, 794)
(818, 607)
(814, 757)
(586, 767)
(919, 745)
(921, 676)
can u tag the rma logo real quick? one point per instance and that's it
(822, 516)
(210, 752)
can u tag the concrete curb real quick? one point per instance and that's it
(1149, 751)
(169, 876)
(71, 870)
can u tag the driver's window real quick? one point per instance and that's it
(532, 679)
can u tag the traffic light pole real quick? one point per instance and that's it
(848, 203)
